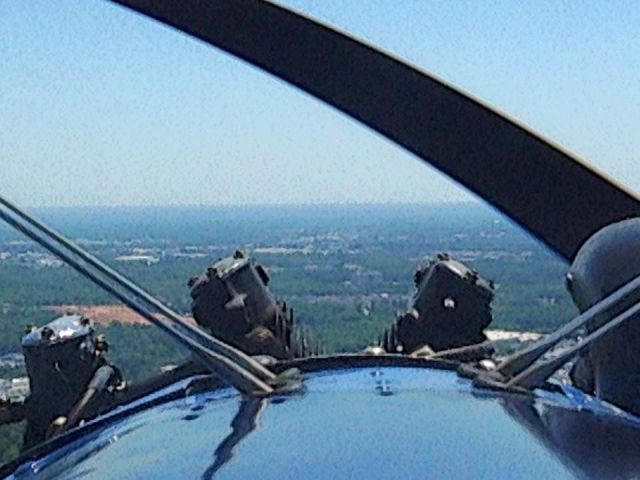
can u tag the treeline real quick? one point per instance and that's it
(13, 323)
(530, 292)
(11, 441)
(140, 351)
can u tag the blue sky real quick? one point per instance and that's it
(99, 106)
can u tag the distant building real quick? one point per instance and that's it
(12, 360)
(19, 389)
(39, 259)
(368, 278)
(148, 259)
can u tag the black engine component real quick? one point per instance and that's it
(232, 301)
(450, 309)
(61, 359)
(605, 262)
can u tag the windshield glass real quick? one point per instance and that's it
(161, 155)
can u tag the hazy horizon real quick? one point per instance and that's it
(434, 203)
(245, 223)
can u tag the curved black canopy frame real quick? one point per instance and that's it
(552, 194)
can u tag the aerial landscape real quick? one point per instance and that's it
(434, 277)
(346, 270)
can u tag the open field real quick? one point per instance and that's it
(105, 314)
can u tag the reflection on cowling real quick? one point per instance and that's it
(244, 422)
(597, 445)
